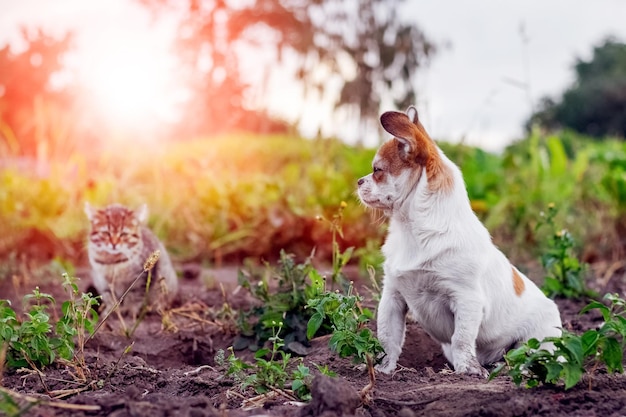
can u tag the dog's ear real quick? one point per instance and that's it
(411, 113)
(402, 128)
(415, 146)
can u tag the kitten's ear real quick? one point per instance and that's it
(142, 213)
(89, 211)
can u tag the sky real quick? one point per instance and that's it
(496, 58)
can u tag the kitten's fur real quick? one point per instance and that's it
(119, 245)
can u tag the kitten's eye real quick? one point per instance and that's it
(376, 169)
(123, 234)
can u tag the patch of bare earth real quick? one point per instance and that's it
(172, 372)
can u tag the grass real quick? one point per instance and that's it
(228, 198)
(212, 200)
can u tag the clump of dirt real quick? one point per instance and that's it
(170, 370)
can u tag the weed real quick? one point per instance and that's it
(301, 384)
(296, 284)
(33, 342)
(573, 354)
(270, 369)
(147, 267)
(565, 273)
(347, 319)
(79, 318)
(37, 342)
(339, 259)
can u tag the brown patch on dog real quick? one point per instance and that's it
(390, 153)
(518, 283)
(422, 151)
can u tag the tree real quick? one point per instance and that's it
(362, 48)
(26, 90)
(596, 103)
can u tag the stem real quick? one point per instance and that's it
(115, 306)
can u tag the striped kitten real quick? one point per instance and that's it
(119, 245)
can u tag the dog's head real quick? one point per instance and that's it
(402, 162)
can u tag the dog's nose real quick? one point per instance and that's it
(361, 181)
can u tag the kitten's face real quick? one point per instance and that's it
(115, 235)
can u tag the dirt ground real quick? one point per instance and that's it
(173, 373)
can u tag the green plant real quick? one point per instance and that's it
(283, 293)
(79, 319)
(33, 342)
(565, 272)
(37, 342)
(339, 259)
(573, 355)
(270, 369)
(610, 338)
(347, 318)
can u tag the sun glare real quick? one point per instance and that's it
(129, 81)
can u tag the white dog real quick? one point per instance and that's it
(440, 262)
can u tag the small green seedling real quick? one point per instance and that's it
(270, 369)
(566, 274)
(35, 341)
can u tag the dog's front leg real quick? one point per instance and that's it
(468, 314)
(391, 324)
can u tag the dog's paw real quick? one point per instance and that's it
(473, 368)
(387, 365)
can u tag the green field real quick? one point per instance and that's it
(222, 200)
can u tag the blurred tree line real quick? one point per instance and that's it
(363, 51)
(364, 46)
(595, 104)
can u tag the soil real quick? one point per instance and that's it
(172, 371)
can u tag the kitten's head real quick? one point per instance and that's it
(115, 235)
(401, 162)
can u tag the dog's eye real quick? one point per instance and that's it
(376, 169)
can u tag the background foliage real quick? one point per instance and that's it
(595, 104)
(241, 196)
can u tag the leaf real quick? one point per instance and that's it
(558, 158)
(612, 355)
(496, 371)
(315, 322)
(345, 257)
(297, 384)
(589, 341)
(516, 355)
(261, 353)
(317, 280)
(596, 305)
(533, 343)
(573, 373)
(575, 347)
(554, 372)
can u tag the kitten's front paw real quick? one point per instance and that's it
(387, 365)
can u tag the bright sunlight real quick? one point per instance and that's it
(129, 80)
